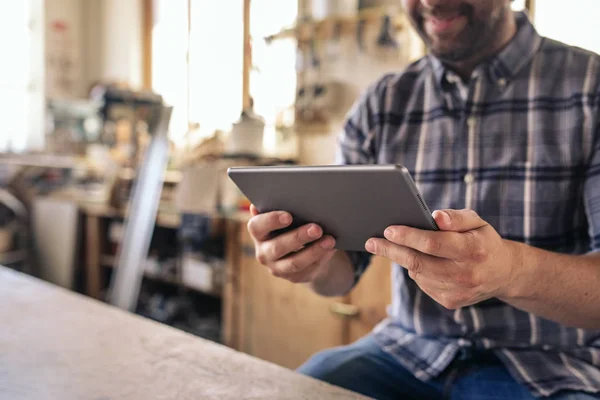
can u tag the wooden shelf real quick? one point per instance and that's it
(169, 177)
(12, 257)
(164, 219)
(324, 29)
(40, 160)
(108, 261)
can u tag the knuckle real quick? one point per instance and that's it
(250, 226)
(414, 263)
(432, 245)
(466, 279)
(299, 235)
(473, 213)
(262, 258)
(412, 274)
(476, 251)
(275, 250)
(293, 266)
(454, 214)
(382, 249)
(275, 272)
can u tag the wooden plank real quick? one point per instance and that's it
(231, 287)
(284, 323)
(62, 345)
(247, 54)
(93, 252)
(371, 296)
(323, 29)
(147, 26)
(530, 6)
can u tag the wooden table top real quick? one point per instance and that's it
(56, 344)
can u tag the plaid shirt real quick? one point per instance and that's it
(520, 144)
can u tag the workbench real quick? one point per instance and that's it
(56, 344)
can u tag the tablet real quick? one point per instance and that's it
(352, 203)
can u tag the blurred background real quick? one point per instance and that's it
(251, 82)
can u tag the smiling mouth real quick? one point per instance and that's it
(443, 23)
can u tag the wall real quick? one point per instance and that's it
(103, 41)
(122, 45)
(63, 34)
(355, 70)
(573, 22)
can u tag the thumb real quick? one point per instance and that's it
(253, 210)
(458, 220)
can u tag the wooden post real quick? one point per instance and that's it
(530, 5)
(247, 57)
(147, 26)
(92, 255)
(231, 289)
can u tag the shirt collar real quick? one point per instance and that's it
(509, 61)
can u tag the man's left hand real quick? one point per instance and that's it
(463, 263)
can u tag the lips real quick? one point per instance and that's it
(443, 23)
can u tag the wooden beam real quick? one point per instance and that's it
(530, 6)
(93, 249)
(147, 25)
(247, 57)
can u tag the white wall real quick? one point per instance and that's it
(122, 45)
(574, 22)
(104, 42)
(63, 53)
(356, 70)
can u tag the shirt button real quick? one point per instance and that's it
(471, 121)
(501, 82)
(469, 178)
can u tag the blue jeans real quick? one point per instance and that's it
(364, 368)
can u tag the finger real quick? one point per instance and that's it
(260, 226)
(289, 242)
(458, 220)
(414, 261)
(253, 210)
(449, 245)
(310, 272)
(303, 259)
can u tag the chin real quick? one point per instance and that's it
(449, 55)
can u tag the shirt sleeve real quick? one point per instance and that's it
(357, 144)
(591, 193)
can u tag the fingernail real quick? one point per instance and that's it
(388, 233)
(285, 218)
(314, 231)
(370, 246)
(444, 217)
(328, 243)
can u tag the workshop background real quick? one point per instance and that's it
(83, 87)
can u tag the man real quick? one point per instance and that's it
(500, 129)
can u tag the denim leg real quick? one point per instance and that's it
(490, 380)
(364, 368)
(575, 396)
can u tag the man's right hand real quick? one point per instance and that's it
(298, 255)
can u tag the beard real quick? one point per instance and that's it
(477, 35)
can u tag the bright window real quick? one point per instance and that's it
(21, 72)
(205, 87)
(574, 22)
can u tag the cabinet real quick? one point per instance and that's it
(286, 323)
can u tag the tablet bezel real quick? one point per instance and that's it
(267, 186)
